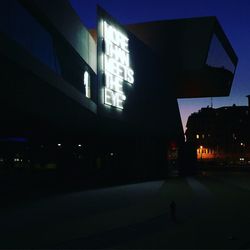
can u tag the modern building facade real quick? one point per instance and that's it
(221, 135)
(102, 104)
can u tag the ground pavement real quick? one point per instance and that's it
(212, 212)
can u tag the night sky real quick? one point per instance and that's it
(234, 16)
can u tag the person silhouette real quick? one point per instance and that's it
(173, 210)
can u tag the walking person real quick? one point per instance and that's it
(173, 210)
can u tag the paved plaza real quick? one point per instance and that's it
(212, 212)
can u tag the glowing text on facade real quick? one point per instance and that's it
(116, 65)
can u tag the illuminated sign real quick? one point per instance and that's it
(86, 81)
(116, 65)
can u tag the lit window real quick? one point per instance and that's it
(203, 136)
(197, 136)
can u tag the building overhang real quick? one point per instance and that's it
(196, 50)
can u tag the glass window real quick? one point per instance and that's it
(21, 26)
(218, 57)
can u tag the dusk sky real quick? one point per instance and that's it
(234, 16)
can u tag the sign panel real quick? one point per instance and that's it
(115, 64)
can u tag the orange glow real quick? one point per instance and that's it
(205, 153)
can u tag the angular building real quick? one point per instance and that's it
(196, 50)
(102, 106)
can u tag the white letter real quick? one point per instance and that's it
(108, 97)
(130, 75)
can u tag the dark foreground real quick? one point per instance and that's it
(212, 212)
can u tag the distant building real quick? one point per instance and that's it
(221, 135)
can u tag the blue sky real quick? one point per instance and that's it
(234, 16)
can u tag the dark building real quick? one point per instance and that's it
(221, 135)
(102, 108)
